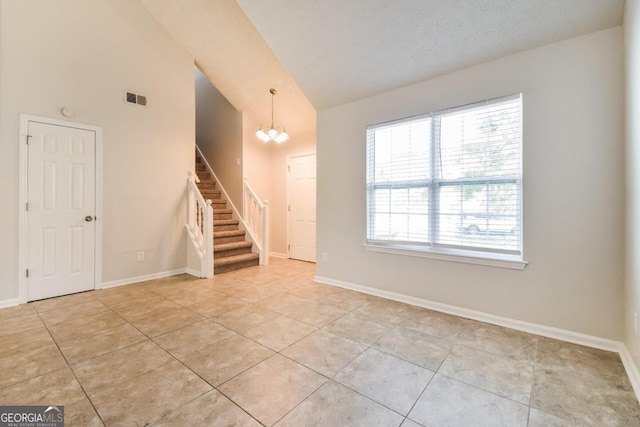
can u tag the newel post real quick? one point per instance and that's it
(264, 255)
(208, 239)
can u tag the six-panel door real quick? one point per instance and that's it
(61, 210)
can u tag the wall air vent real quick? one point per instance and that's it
(134, 98)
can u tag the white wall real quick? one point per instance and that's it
(573, 189)
(219, 136)
(632, 71)
(84, 55)
(265, 166)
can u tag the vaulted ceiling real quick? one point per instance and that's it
(321, 53)
(237, 61)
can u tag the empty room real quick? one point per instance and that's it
(301, 213)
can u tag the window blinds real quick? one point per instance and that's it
(450, 179)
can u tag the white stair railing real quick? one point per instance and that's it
(200, 226)
(256, 220)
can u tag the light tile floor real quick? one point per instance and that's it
(269, 346)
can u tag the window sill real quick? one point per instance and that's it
(467, 257)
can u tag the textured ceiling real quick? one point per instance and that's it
(320, 53)
(341, 50)
(237, 61)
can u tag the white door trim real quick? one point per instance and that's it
(22, 198)
(289, 157)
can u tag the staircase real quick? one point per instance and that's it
(230, 249)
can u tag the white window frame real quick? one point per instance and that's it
(480, 256)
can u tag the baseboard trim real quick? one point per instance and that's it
(143, 278)
(194, 273)
(278, 255)
(533, 328)
(9, 302)
(632, 369)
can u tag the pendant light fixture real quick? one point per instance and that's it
(278, 135)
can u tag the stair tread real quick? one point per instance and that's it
(235, 258)
(232, 245)
(229, 233)
(226, 222)
(222, 211)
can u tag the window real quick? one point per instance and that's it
(448, 182)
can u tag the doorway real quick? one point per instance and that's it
(59, 210)
(301, 218)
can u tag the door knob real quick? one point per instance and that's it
(88, 218)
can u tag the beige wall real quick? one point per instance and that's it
(219, 136)
(265, 166)
(256, 159)
(84, 55)
(632, 288)
(573, 189)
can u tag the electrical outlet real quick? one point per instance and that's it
(635, 322)
(141, 256)
(324, 257)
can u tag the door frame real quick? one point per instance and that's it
(23, 159)
(289, 157)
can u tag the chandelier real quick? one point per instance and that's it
(278, 135)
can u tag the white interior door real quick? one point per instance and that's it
(302, 207)
(61, 197)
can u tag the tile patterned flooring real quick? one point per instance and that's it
(268, 346)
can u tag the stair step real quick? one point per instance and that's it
(233, 248)
(205, 177)
(225, 224)
(235, 262)
(218, 203)
(203, 186)
(211, 191)
(228, 236)
(222, 214)
(211, 194)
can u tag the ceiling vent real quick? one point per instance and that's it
(135, 98)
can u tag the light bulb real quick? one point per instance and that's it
(262, 135)
(282, 137)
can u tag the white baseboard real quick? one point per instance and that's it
(115, 283)
(143, 278)
(533, 328)
(192, 272)
(632, 369)
(9, 302)
(278, 255)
